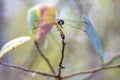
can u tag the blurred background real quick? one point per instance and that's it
(79, 53)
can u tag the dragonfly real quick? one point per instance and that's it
(41, 18)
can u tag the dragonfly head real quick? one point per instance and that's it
(60, 22)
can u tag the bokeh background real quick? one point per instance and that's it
(79, 53)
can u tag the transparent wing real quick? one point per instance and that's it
(73, 23)
(71, 27)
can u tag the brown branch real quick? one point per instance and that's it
(92, 71)
(28, 70)
(112, 58)
(64, 77)
(45, 58)
(62, 56)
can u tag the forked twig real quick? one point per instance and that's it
(45, 58)
(107, 62)
(65, 77)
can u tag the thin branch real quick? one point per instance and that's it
(45, 58)
(62, 56)
(28, 70)
(112, 58)
(92, 71)
(64, 77)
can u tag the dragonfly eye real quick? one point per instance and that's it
(60, 22)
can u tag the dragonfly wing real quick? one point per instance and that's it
(93, 37)
(78, 23)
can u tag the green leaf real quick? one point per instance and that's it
(13, 44)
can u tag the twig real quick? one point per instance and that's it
(111, 59)
(45, 58)
(59, 76)
(62, 56)
(28, 70)
(92, 71)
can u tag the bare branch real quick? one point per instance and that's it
(112, 58)
(45, 58)
(92, 71)
(62, 56)
(58, 77)
(28, 70)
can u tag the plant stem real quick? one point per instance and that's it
(62, 56)
(45, 58)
